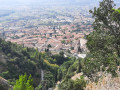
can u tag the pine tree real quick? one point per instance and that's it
(24, 83)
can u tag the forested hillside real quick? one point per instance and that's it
(21, 60)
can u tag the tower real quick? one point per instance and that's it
(79, 50)
(54, 29)
(3, 34)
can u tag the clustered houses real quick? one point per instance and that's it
(56, 36)
(51, 38)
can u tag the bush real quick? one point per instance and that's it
(69, 84)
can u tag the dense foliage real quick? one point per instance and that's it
(104, 42)
(69, 84)
(24, 83)
(22, 60)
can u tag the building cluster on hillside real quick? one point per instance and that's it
(63, 36)
(52, 38)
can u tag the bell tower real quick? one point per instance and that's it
(79, 50)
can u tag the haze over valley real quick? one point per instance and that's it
(59, 45)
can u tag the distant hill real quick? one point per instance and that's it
(5, 13)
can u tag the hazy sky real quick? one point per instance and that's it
(43, 1)
(51, 2)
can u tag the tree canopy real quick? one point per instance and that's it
(104, 42)
(24, 83)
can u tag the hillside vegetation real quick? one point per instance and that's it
(104, 52)
(19, 60)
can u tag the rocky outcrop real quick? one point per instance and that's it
(4, 84)
(76, 76)
(3, 58)
(106, 82)
(3, 61)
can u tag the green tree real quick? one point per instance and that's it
(107, 23)
(79, 66)
(39, 87)
(104, 42)
(49, 46)
(69, 84)
(79, 84)
(24, 83)
(63, 41)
